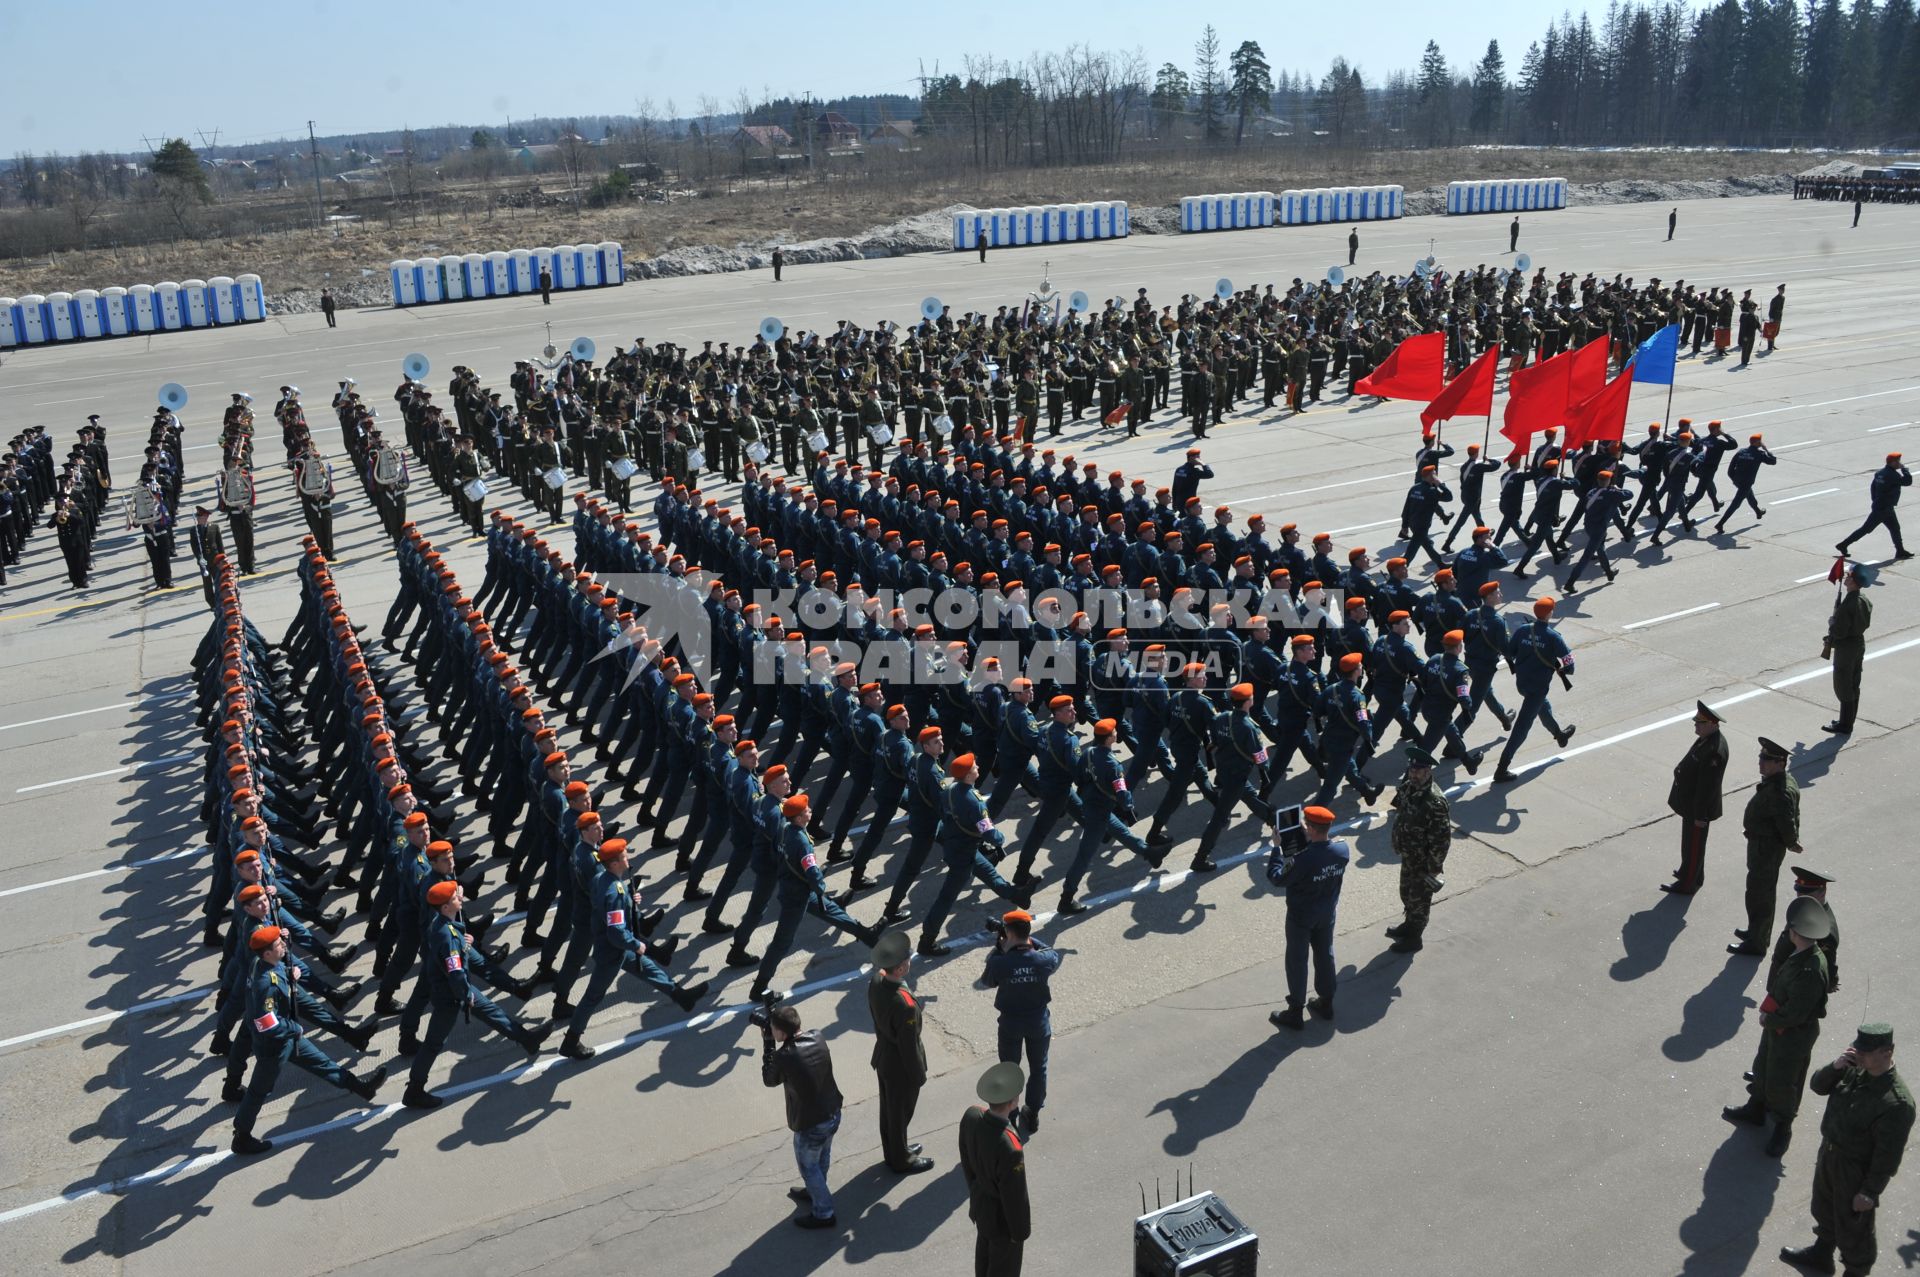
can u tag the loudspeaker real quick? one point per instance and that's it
(1197, 1237)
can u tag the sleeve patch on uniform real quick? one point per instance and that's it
(1119, 784)
(454, 962)
(1013, 1141)
(1260, 756)
(808, 863)
(616, 917)
(984, 826)
(266, 1023)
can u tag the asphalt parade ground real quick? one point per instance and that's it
(1537, 1092)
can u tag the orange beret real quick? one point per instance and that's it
(1454, 638)
(1351, 662)
(960, 763)
(415, 820)
(1317, 816)
(794, 806)
(263, 939)
(1240, 693)
(441, 892)
(1543, 607)
(610, 848)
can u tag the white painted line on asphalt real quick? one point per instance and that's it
(1361, 527)
(1804, 496)
(1898, 425)
(138, 1008)
(1804, 443)
(1151, 882)
(1670, 616)
(55, 718)
(1828, 574)
(1325, 487)
(144, 765)
(98, 873)
(1824, 403)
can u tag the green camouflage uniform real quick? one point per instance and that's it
(1422, 832)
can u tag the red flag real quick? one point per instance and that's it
(1588, 371)
(1468, 395)
(1415, 369)
(1839, 571)
(1540, 396)
(1601, 415)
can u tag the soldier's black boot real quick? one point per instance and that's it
(1781, 1138)
(688, 996)
(1408, 941)
(1398, 929)
(419, 1097)
(247, 1146)
(1291, 1018)
(574, 1049)
(1816, 1258)
(1322, 1007)
(367, 1083)
(1752, 1113)
(738, 957)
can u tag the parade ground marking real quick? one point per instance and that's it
(1804, 496)
(143, 765)
(1152, 882)
(1670, 616)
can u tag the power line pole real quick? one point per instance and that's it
(319, 200)
(806, 122)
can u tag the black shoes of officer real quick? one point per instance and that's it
(1817, 1258)
(1838, 728)
(1506, 719)
(358, 1038)
(1471, 761)
(1158, 837)
(248, 1146)
(914, 1166)
(330, 922)
(714, 927)
(1322, 1007)
(1029, 1119)
(662, 951)
(1291, 1018)
(232, 1092)
(418, 1097)
(1903, 554)
(931, 948)
(688, 996)
(1373, 795)
(562, 1009)
(336, 956)
(694, 893)
(814, 1221)
(1752, 1113)
(1203, 864)
(367, 1083)
(385, 1005)
(1069, 907)
(1782, 1137)
(1407, 942)
(896, 913)
(532, 1039)
(1566, 736)
(738, 957)
(1747, 949)
(574, 1049)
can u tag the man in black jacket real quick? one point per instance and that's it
(1695, 798)
(800, 1064)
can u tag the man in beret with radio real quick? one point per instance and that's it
(1312, 879)
(1862, 1136)
(1019, 968)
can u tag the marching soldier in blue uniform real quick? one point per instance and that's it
(1537, 655)
(1239, 753)
(277, 1040)
(1742, 471)
(1348, 734)
(969, 844)
(1108, 813)
(802, 889)
(616, 947)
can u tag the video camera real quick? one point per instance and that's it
(762, 1018)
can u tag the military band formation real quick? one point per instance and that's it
(1101, 633)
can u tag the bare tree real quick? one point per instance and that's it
(573, 158)
(708, 108)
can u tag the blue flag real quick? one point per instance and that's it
(1653, 359)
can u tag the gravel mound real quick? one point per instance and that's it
(932, 232)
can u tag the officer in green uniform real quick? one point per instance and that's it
(723, 443)
(899, 1058)
(277, 1040)
(1772, 825)
(1846, 644)
(995, 1167)
(1789, 1025)
(1812, 885)
(1422, 834)
(1862, 1135)
(1026, 398)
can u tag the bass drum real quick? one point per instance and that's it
(757, 453)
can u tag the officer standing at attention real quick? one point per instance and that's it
(1862, 1136)
(1883, 495)
(1695, 798)
(1353, 245)
(1020, 966)
(1536, 654)
(1846, 643)
(1312, 881)
(1772, 824)
(995, 1167)
(1513, 235)
(1789, 1026)
(1422, 835)
(899, 1058)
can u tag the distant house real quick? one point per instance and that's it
(537, 154)
(762, 139)
(835, 129)
(896, 134)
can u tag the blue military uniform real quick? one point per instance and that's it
(1537, 655)
(1020, 978)
(1312, 881)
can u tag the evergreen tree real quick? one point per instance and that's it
(1489, 92)
(1171, 90)
(1208, 84)
(1250, 88)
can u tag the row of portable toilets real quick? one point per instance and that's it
(1247, 209)
(458, 277)
(1041, 224)
(37, 319)
(1505, 195)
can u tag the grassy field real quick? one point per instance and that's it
(729, 211)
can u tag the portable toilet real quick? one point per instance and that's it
(962, 231)
(1022, 218)
(473, 274)
(588, 256)
(220, 296)
(1099, 218)
(541, 259)
(253, 298)
(453, 286)
(86, 313)
(400, 280)
(426, 280)
(613, 263)
(9, 322)
(193, 303)
(1189, 206)
(566, 271)
(143, 312)
(497, 285)
(520, 273)
(32, 320)
(59, 317)
(113, 312)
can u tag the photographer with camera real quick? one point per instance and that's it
(1020, 966)
(800, 1064)
(1310, 867)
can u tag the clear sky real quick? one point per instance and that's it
(100, 74)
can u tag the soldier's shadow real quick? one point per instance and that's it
(1811, 763)
(1736, 1196)
(879, 1227)
(1648, 936)
(1713, 1015)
